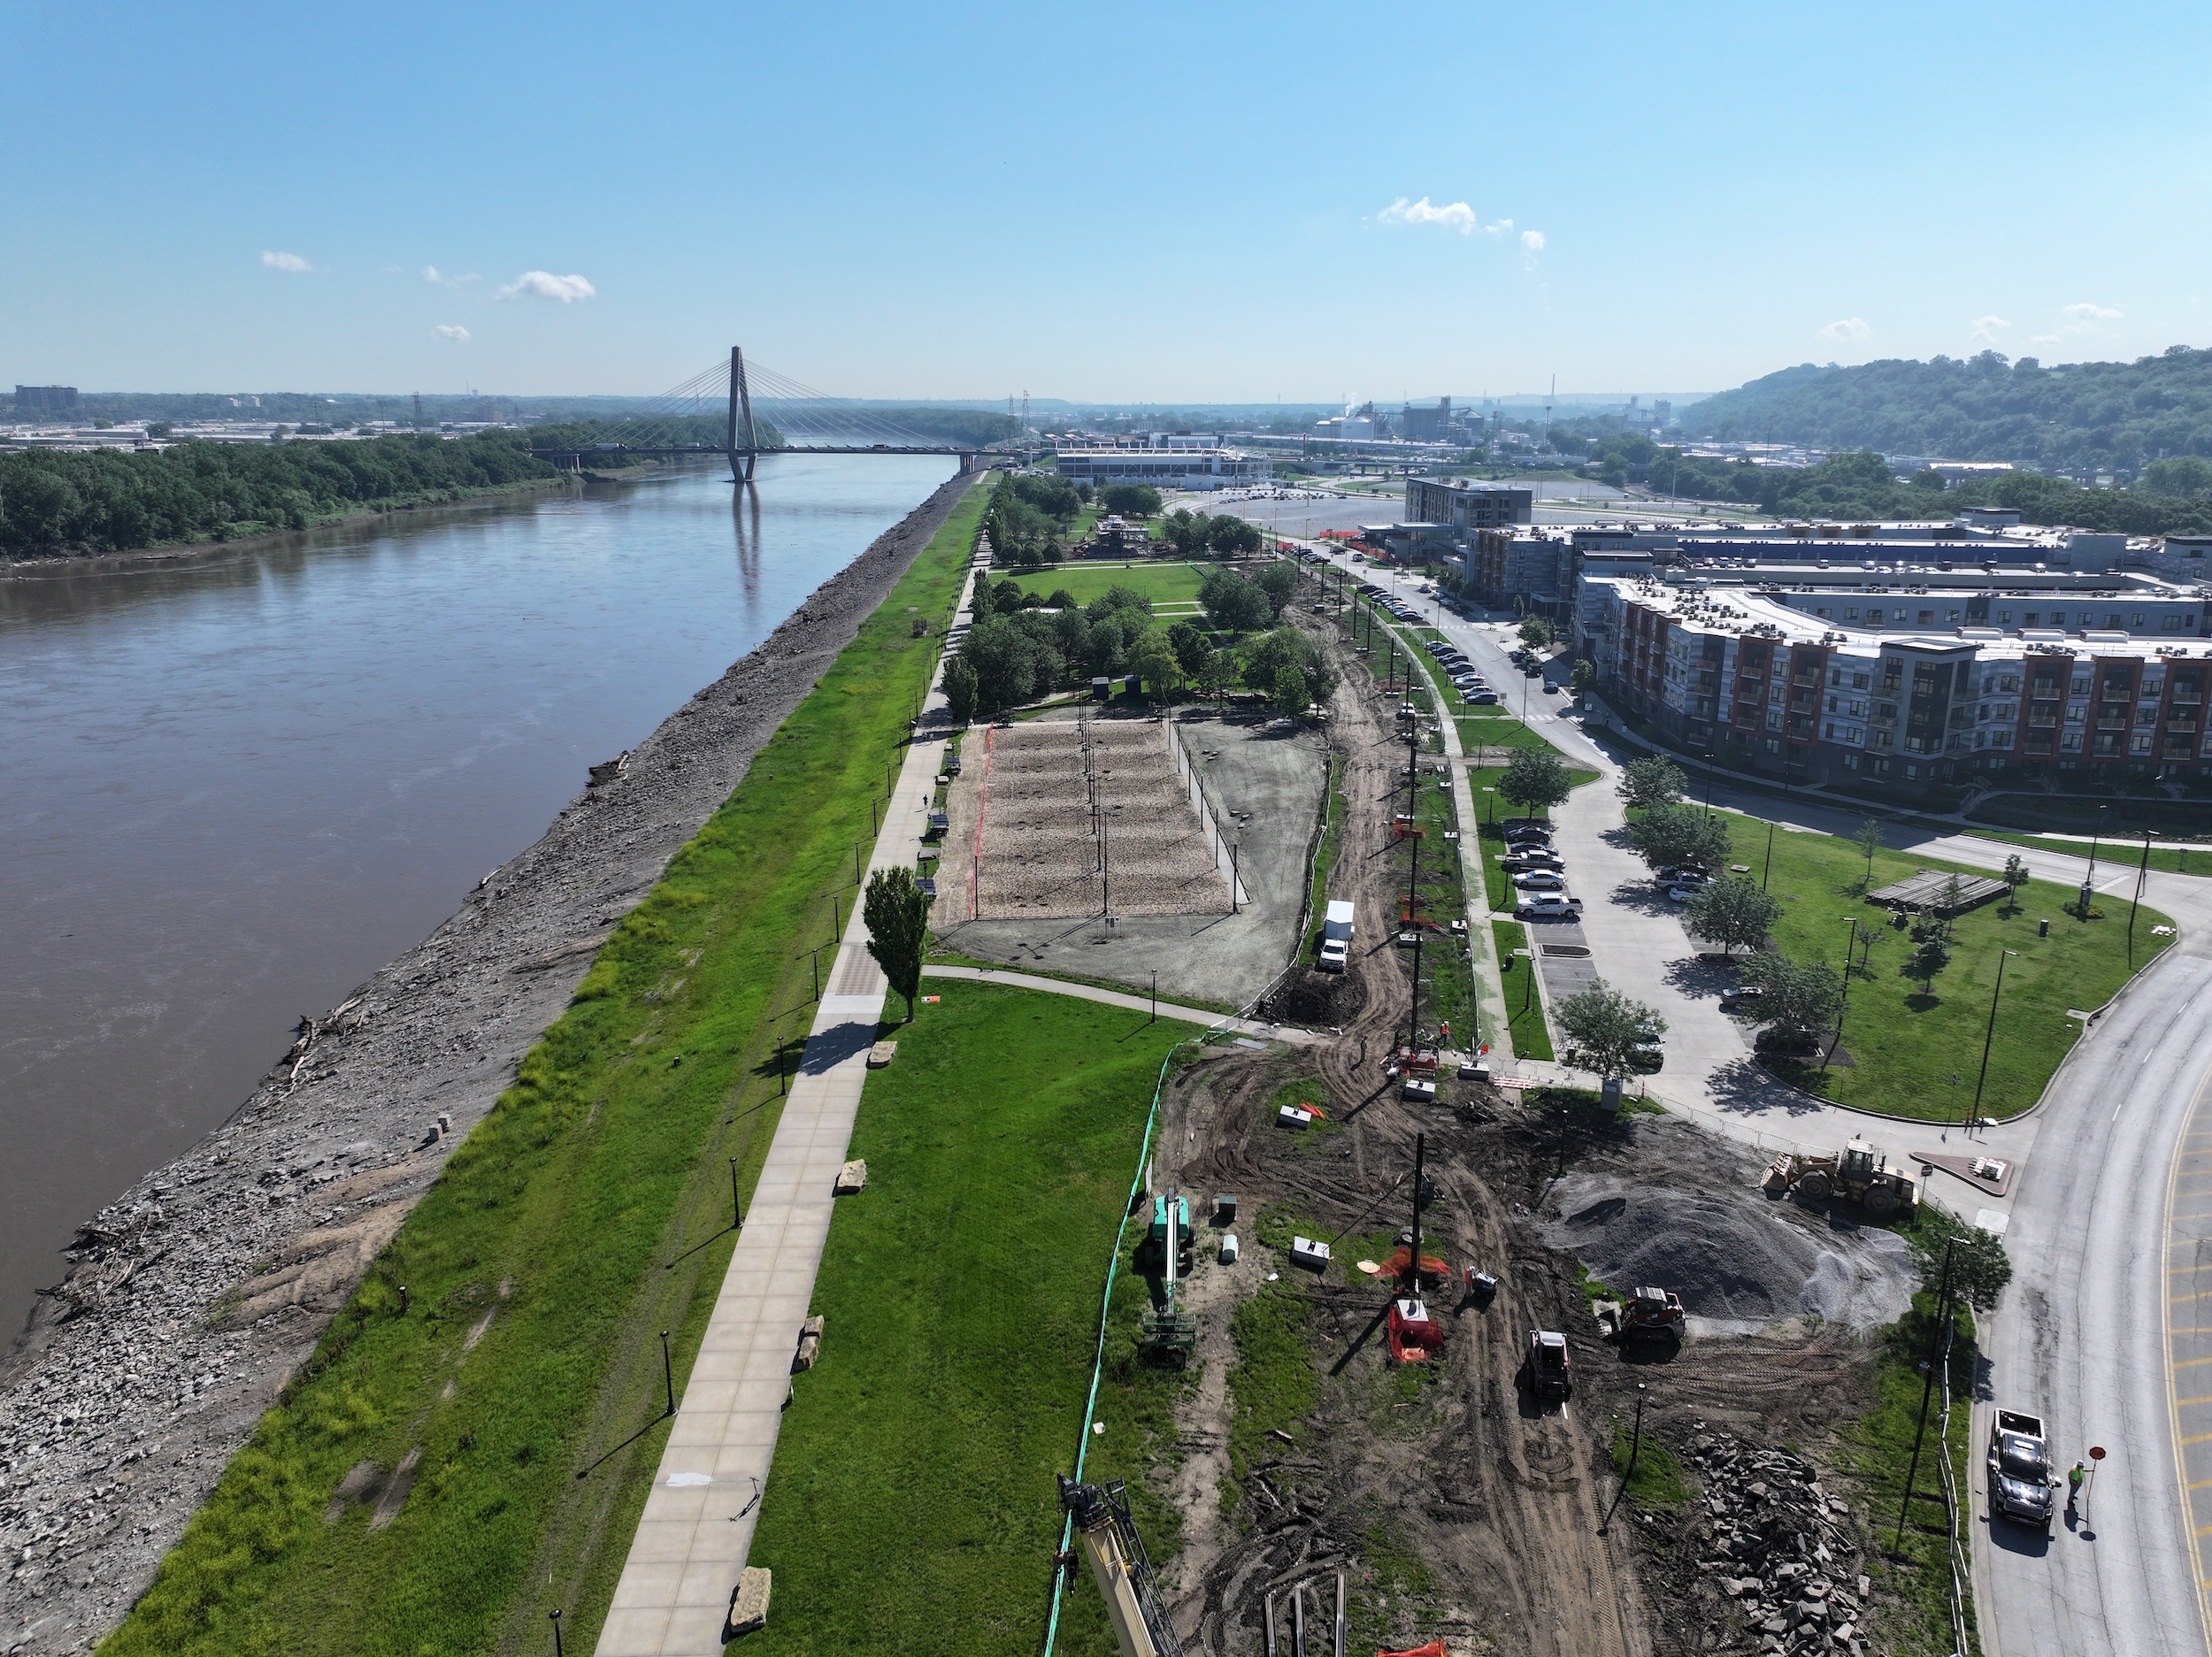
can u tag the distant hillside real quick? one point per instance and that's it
(2077, 419)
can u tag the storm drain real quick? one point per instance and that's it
(1572, 951)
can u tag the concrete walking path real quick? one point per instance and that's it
(675, 1593)
(1289, 1033)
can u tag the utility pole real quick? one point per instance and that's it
(1989, 1034)
(1927, 1385)
(2142, 874)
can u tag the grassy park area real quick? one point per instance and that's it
(1524, 1009)
(1164, 584)
(1904, 1041)
(914, 1508)
(538, 1268)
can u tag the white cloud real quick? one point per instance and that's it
(1453, 216)
(1846, 329)
(284, 261)
(1985, 328)
(2091, 314)
(545, 285)
(446, 278)
(450, 330)
(1532, 240)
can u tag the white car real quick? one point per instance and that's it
(1536, 905)
(1540, 880)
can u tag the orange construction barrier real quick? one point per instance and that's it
(1434, 1648)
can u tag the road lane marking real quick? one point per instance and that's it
(2175, 1174)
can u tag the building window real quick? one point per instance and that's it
(1858, 681)
(1773, 746)
(2139, 618)
(1850, 762)
(1829, 731)
(2113, 620)
(2005, 616)
(2070, 742)
(2001, 739)
(1926, 616)
(2030, 618)
(1822, 612)
(1851, 613)
(1875, 617)
(2140, 744)
(1952, 614)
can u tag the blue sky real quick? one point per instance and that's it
(1128, 202)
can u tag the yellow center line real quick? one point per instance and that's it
(2183, 1403)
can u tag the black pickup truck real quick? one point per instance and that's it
(2020, 1481)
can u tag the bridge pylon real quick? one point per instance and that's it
(741, 457)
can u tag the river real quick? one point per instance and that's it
(235, 786)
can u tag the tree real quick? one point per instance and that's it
(2015, 877)
(1062, 599)
(1602, 1026)
(1011, 663)
(1289, 691)
(1795, 997)
(1231, 537)
(1232, 604)
(1130, 500)
(1667, 836)
(1535, 779)
(1980, 1268)
(1869, 840)
(960, 690)
(1536, 633)
(896, 913)
(1582, 676)
(1191, 649)
(1153, 660)
(1654, 780)
(1214, 677)
(1278, 581)
(1932, 956)
(1186, 531)
(1732, 912)
(2178, 474)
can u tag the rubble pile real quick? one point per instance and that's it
(1781, 1547)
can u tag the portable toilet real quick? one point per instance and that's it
(1229, 1249)
(1101, 690)
(1225, 1209)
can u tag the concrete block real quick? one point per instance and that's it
(882, 1054)
(852, 1179)
(749, 1605)
(1310, 1252)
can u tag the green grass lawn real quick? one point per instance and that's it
(1163, 583)
(1906, 1044)
(607, 1159)
(912, 1506)
(1524, 1008)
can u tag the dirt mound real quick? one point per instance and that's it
(1737, 1261)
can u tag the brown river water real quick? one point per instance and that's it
(232, 787)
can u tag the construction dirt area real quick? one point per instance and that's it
(1182, 803)
(1458, 1505)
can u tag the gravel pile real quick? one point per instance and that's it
(1781, 1547)
(1738, 1260)
(190, 1299)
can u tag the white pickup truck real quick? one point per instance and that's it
(1336, 936)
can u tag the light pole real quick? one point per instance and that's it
(1989, 1034)
(1850, 943)
(1493, 817)
(1768, 869)
(1527, 958)
(1709, 782)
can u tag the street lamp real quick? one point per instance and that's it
(1988, 1035)
(1493, 817)
(1709, 782)
(1528, 981)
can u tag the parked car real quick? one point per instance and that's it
(1646, 1055)
(1480, 698)
(1527, 828)
(1540, 880)
(1525, 857)
(1744, 997)
(1546, 905)
(1684, 875)
(1682, 895)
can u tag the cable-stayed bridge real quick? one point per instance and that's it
(754, 411)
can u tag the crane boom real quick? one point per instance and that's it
(1108, 1536)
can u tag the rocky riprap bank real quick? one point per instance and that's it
(190, 1301)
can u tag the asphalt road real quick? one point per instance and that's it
(2103, 1331)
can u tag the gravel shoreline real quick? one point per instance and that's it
(190, 1299)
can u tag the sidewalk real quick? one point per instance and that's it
(677, 1585)
(1135, 1003)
